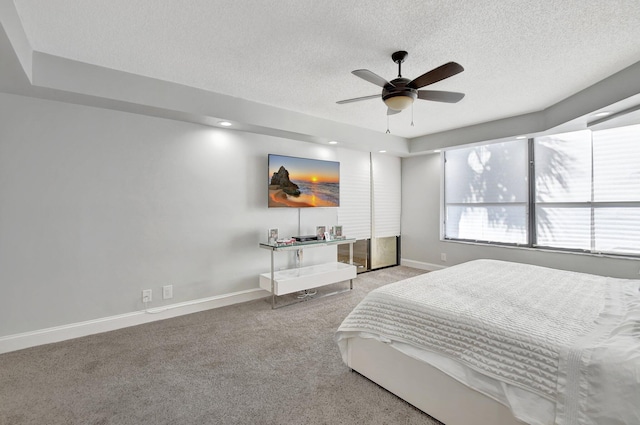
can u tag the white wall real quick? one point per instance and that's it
(96, 205)
(421, 245)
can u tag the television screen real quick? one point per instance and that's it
(302, 182)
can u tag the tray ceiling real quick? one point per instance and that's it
(519, 57)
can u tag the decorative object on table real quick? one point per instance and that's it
(273, 236)
(337, 232)
(320, 231)
(289, 241)
(327, 236)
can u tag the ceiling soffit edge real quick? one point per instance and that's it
(59, 79)
(571, 111)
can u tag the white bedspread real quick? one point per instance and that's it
(570, 338)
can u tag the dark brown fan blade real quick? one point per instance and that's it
(440, 73)
(440, 96)
(357, 99)
(371, 77)
(392, 111)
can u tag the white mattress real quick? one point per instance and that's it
(527, 336)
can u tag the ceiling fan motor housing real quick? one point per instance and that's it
(399, 88)
(400, 93)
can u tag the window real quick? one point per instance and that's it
(563, 190)
(486, 193)
(585, 192)
(588, 190)
(616, 191)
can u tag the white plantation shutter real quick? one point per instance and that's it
(486, 192)
(585, 194)
(387, 180)
(588, 190)
(616, 164)
(563, 190)
(354, 213)
(616, 190)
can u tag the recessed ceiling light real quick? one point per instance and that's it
(602, 114)
(382, 151)
(437, 151)
(333, 142)
(521, 137)
(224, 123)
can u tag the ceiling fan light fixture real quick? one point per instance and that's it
(400, 93)
(399, 102)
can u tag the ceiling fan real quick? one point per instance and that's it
(400, 93)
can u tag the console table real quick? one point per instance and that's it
(284, 282)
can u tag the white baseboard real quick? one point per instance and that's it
(90, 327)
(421, 265)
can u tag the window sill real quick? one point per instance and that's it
(546, 250)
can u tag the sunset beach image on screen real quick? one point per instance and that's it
(303, 182)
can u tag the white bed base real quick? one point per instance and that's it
(424, 386)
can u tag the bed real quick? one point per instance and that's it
(498, 343)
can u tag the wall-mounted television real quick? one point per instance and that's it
(303, 182)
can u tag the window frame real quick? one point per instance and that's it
(444, 204)
(530, 211)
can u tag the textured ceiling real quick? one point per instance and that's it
(519, 56)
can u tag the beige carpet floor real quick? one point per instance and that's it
(242, 364)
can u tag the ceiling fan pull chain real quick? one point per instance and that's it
(388, 125)
(412, 115)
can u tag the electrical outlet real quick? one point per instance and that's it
(443, 256)
(146, 295)
(167, 292)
